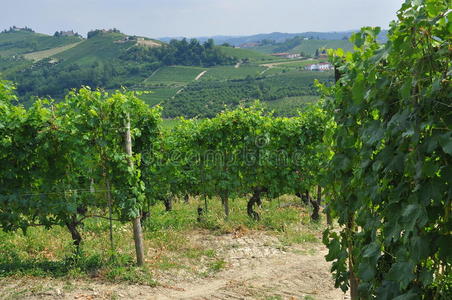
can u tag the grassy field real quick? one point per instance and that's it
(38, 55)
(49, 253)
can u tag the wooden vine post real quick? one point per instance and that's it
(137, 233)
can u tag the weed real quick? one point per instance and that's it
(50, 253)
(217, 265)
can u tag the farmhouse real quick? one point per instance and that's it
(323, 66)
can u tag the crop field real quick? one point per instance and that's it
(289, 106)
(158, 94)
(38, 55)
(231, 72)
(175, 75)
(99, 49)
(310, 46)
(252, 56)
(22, 42)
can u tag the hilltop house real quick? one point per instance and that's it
(68, 33)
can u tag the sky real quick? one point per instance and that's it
(191, 18)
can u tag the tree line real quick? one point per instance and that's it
(183, 52)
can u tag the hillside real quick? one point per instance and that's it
(101, 49)
(300, 45)
(278, 37)
(187, 77)
(22, 42)
(107, 59)
(245, 54)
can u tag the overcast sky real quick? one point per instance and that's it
(158, 18)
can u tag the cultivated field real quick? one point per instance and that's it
(36, 56)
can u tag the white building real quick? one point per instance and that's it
(286, 55)
(323, 66)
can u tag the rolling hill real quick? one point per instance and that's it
(186, 77)
(300, 45)
(278, 37)
(17, 42)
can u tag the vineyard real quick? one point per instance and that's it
(206, 98)
(369, 163)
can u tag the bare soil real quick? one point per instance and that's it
(254, 265)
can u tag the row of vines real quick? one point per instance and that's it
(101, 155)
(391, 172)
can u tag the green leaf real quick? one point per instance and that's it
(402, 273)
(445, 141)
(358, 89)
(366, 271)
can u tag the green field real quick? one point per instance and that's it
(38, 55)
(250, 55)
(101, 49)
(208, 97)
(289, 106)
(104, 61)
(231, 72)
(21, 42)
(308, 47)
(174, 75)
(158, 95)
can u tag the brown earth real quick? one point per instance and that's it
(254, 265)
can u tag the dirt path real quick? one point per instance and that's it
(268, 68)
(152, 75)
(200, 75)
(257, 266)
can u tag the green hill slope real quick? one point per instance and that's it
(310, 46)
(21, 42)
(299, 45)
(101, 48)
(187, 78)
(246, 54)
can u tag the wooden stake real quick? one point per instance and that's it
(137, 233)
